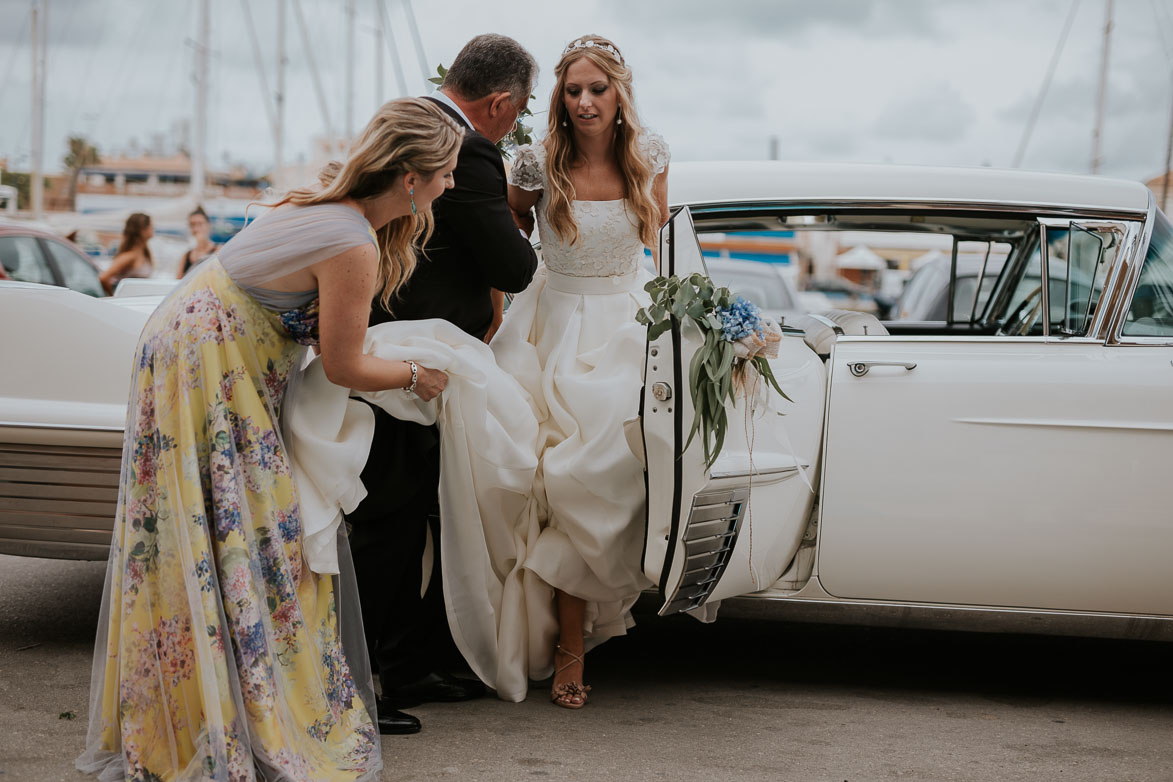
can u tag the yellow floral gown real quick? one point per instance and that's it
(221, 657)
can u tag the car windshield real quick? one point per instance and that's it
(1151, 311)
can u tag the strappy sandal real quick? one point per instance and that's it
(566, 695)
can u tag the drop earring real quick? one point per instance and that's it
(619, 121)
(411, 195)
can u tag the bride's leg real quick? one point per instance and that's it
(568, 689)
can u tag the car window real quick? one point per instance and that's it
(1077, 264)
(1151, 311)
(1022, 317)
(1089, 255)
(766, 291)
(23, 261)
(77, 272)
(963, 293)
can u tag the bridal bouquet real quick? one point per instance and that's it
(738, 340)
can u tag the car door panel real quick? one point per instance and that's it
(1019, 473)
(733, 529)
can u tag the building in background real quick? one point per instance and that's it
(110, 183)
(1157, 185)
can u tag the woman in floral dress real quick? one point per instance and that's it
(220, 655)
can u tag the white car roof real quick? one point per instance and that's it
(770, 180)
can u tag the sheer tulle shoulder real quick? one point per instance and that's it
(654, 146)
(529, 168)
(290, 238)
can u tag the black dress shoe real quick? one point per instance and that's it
(436, 687)
(393, 722)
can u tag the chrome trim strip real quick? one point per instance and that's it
(990, 340)
(754, 473)
(1135, 426)
(1045, 279)
(1116, 326)
(763, 605)
(700, 209)
(704, 565)
(75, 427)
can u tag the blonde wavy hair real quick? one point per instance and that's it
(407, 135)
(561, 151)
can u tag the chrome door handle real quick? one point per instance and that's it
(860, 368)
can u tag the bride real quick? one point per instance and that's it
(598, 181)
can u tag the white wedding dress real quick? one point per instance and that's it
(538, 486)
(572, 341)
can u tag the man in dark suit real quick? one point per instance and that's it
(476, 249)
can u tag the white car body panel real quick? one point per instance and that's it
(75, 356)
(735, 528)
(993, 474)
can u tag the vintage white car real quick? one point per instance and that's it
(1001, 469)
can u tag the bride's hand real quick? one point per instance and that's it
(430, 383)
(524, 221)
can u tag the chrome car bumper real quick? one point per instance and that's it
(57, 501)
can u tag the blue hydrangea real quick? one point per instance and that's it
(740, 319)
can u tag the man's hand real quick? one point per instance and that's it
(498, 313)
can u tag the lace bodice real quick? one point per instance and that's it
(608, 243)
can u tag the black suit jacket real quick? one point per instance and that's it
(475, 246)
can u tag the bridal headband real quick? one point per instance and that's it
(590, 44)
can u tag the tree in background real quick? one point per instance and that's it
(81, 154)
(23, 185)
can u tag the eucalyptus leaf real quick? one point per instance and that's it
(697, 299)
(656, 330)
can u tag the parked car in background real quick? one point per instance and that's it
(845, 294)
(30, 254)
(926, 294)
(765, 284)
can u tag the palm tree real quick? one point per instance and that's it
(81, 154)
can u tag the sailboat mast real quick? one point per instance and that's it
(279, 127)
(392, 48)
(348, 123)
(317, 78)
(199, 133)
(1102, 92)
(1168, 163)
(40, 24)
(379, 33)
(418, 41)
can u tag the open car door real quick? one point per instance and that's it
(735, 528)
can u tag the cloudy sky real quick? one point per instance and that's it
(906, 81)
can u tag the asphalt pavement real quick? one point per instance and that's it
(739, 699)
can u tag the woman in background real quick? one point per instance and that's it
(201, 229)
(133, 258)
